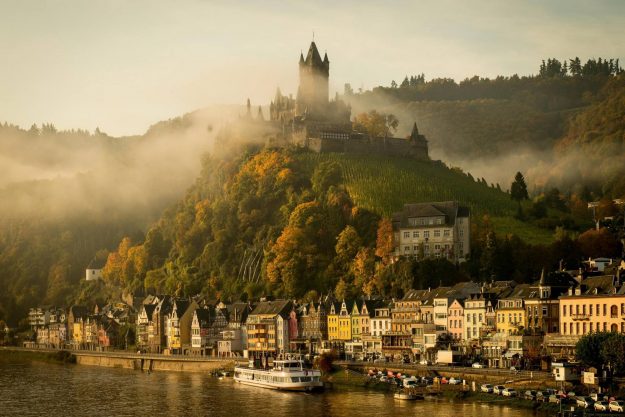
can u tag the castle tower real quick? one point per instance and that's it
(312, 95)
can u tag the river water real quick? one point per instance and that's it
(70, 390)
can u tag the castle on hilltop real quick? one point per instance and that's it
(313, 121)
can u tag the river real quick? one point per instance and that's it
(38, 389)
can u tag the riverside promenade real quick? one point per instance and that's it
(143, 361)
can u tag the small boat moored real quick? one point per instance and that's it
(407, 395)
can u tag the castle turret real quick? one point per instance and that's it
(415, 131)
(313, 82)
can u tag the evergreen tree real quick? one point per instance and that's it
(518, 189)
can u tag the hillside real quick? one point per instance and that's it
(295, 223)
(496, 127)
(383, 185)
(592, 151)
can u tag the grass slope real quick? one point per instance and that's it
(384, 185)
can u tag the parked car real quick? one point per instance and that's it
(514, 369)
(571, 394)
(555, 399)
(541, 397)
(549, 392)
(616, 406)
(478, 365)
(601, 405)
(455, 381)
(585, 402)
(486, 388)
(428, 380)
(529, 395)
(509, 392)
(497, 389)
(425, 362)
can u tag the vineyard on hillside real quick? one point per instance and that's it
(384, 185)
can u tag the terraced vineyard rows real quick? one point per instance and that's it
(384, 184)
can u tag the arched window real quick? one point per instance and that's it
(614, 328)
(614, 311)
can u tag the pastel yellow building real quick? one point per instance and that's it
(510, 313)
(345, 321)
(333, 321)
(582, 314)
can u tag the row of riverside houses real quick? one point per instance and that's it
(499, 323)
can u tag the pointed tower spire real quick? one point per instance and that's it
(542, 277)
(301, 58)
(260, 116)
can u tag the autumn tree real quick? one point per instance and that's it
(594, 243)
(376, 124)
(363, 269)
(384, 243)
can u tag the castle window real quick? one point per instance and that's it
(437, 233)
(415, 234)
(426, 234)
(406, 235)
(406, 249)
(446, 232)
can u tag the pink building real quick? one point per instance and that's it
(455, 319)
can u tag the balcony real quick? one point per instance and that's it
(580, 316)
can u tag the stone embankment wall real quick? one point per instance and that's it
(151, 363)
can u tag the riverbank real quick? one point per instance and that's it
(344, 379)
(8, 355)
(125, 360)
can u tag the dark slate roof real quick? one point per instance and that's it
(182, 304)
(598, 285)
(149, 309)
(78, 311)
(439, 292)
(272, 307)
(463, 289)
(450, 209)
(313, 58)
(204, 316)
(415, 295)
(521, 291)
(97, 263)
(239, 308)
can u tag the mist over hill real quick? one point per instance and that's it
(180, 206)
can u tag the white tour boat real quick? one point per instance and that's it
(288, 375)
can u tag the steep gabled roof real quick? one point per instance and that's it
(149, 309)
(313, 58)
(78, 311)
(450, 209)
(205, 316)
(97, 263)
(272, 307)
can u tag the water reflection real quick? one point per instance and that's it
(55, 390)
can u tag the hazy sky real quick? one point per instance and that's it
(125, 64)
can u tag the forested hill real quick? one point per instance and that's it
(516, 119)
(593, 149)
(293, 223)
